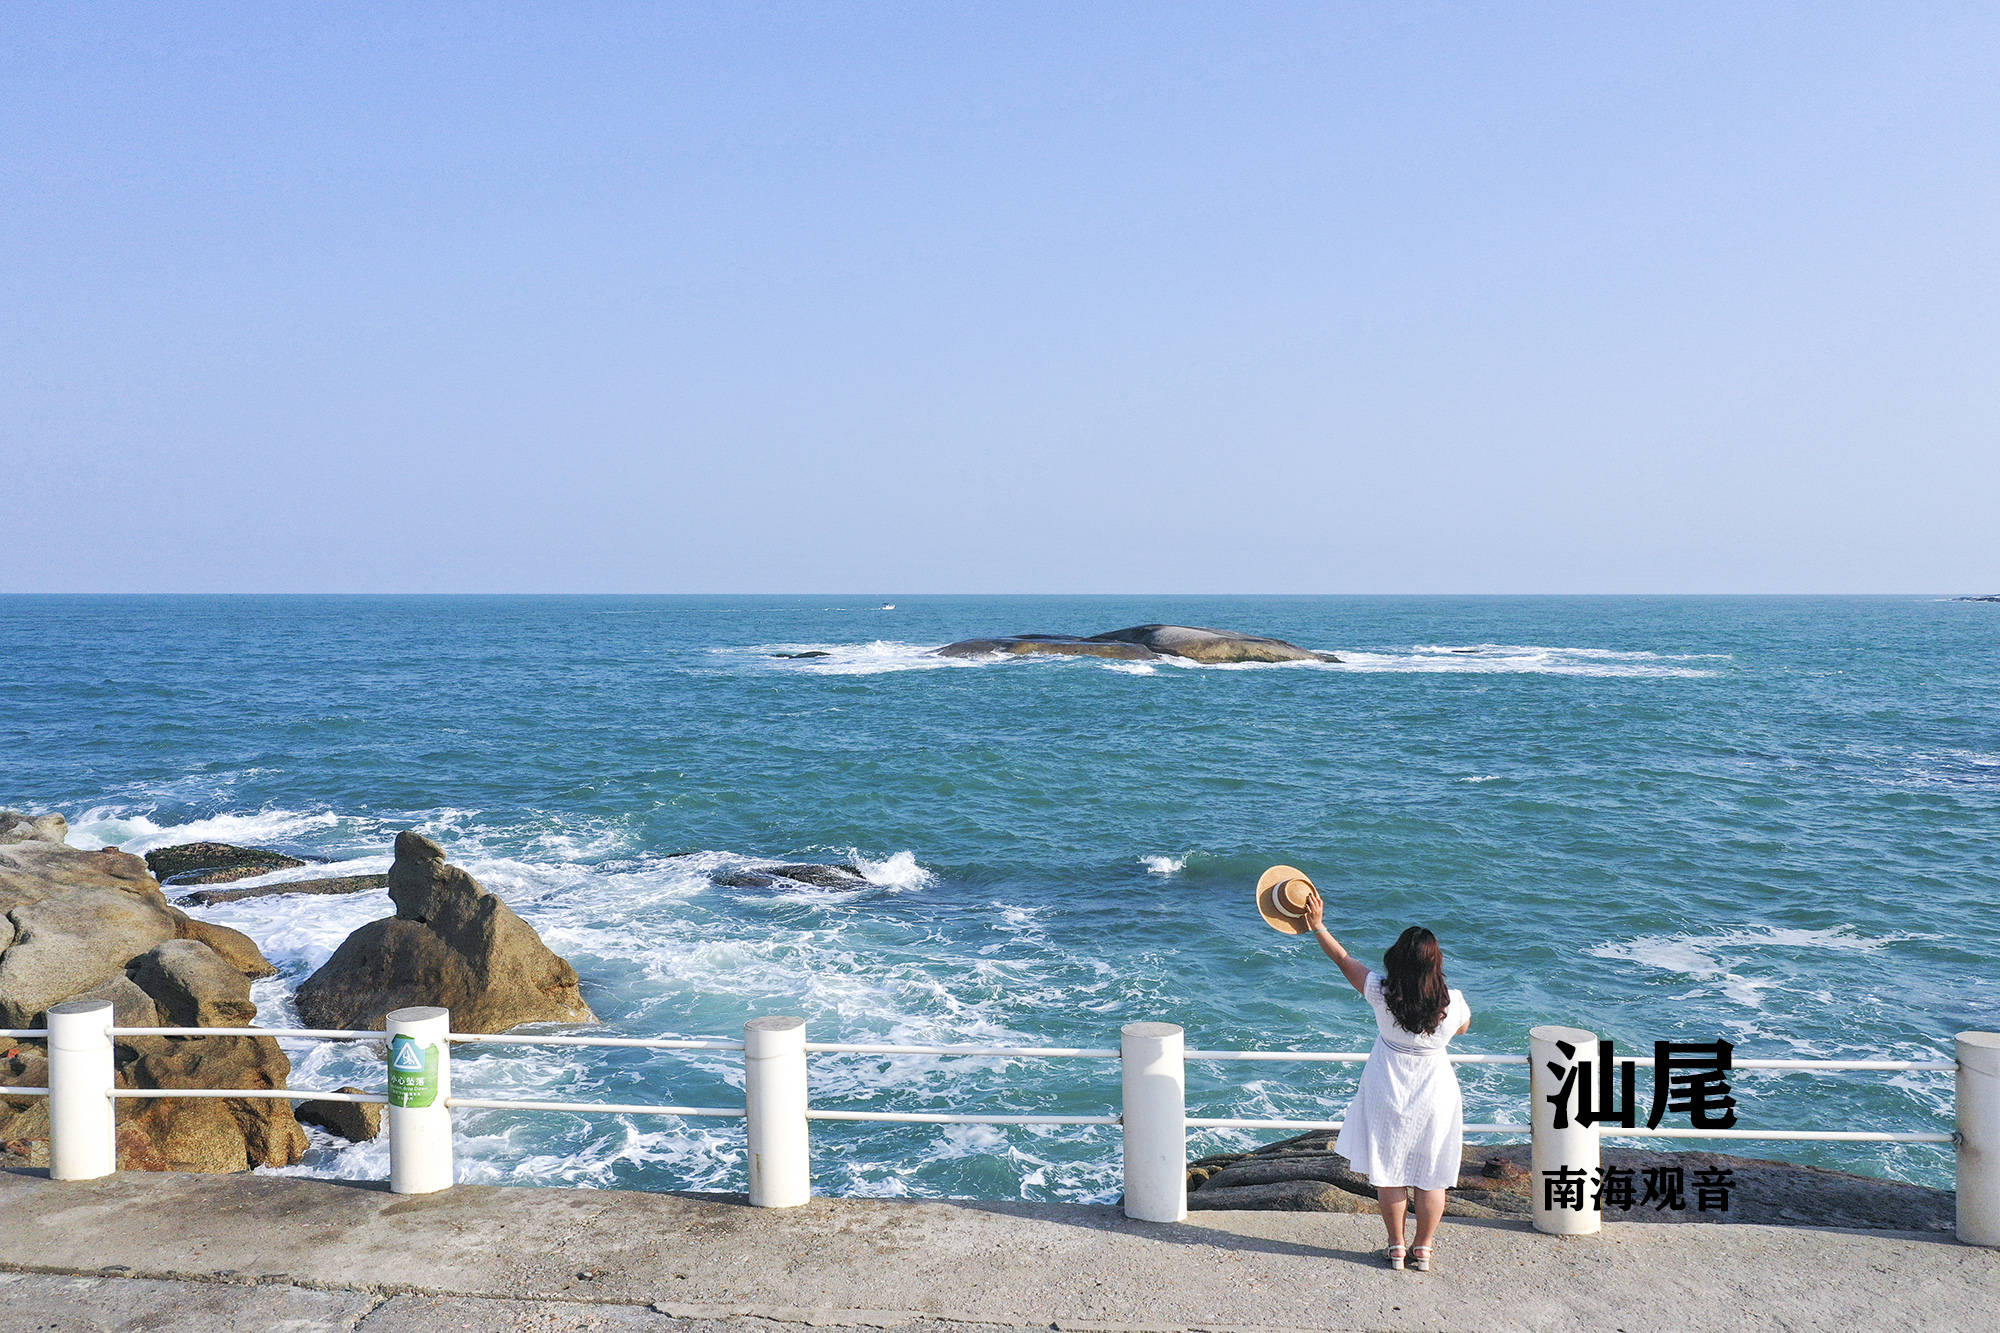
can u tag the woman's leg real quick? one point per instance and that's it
(1392, 1199)
(1430, 1211)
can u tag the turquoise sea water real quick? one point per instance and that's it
(1771, 820)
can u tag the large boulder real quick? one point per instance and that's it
(95, 926)
(17, 826)
(450, 943)
(71, 920)
(192, 987)
(1212, 645)
(205, 1133)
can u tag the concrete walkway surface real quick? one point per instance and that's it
(289, 1255)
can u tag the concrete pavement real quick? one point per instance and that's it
(146, 1250)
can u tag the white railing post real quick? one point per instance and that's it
(1978, 1138)
(83, 1123)
(1155, 1121)
(1573, 1148)
(774, 1107)
(419, 1059)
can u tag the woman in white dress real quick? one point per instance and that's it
(1406, 1125)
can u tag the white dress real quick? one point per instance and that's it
(1406, 1125)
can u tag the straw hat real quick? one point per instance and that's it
(1282, 895)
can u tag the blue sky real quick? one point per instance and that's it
(1000, 298)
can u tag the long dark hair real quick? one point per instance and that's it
(1414, 988)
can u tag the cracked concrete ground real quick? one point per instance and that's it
(277, 1254)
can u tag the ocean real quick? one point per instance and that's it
(1770, 820)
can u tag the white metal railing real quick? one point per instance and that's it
(1153, 1116)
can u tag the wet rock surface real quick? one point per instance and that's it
(357, 1122)
(336, 885)
(1296, 1174)
(779, 875)
(450, 943)
(214, 862)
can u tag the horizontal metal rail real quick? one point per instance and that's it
(867, 1048)
(653, 1043)
(22, 1092)
(940, 1118)
(608, 1108)
(1801, 1135)
(1830, 1066)
(280, 1034)
(1344, 1057)
(1223, 1122)
(235, 1094)
(1036, 1052)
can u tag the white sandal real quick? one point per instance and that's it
(1420, 1258)
(1393, 1254)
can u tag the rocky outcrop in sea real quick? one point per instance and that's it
(450, 943)
(1145, 643)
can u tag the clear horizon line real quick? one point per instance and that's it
(96, 592)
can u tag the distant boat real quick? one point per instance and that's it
(888, 606)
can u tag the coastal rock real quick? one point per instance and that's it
(95, 925)
(1062, 645)
(769, 876)
(214, 862)
(18, 826)
(1145, 643)
(72, 921)
(192, 986)
(450, 943)
(131, 1007)
(1494, 1181)
(357, 1122)
(1289, 1196)
(205, 1133)
(337, 884)
(236, 948)
(1212, 645)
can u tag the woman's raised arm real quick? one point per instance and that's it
(1350, 967)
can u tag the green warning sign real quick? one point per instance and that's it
(413, 1073)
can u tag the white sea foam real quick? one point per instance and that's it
(1533, 659)
(106, 826)
(873, 658)
(898, 871)
(1701, 958)
(1164, 865)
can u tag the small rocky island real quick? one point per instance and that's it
(1145, 643)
